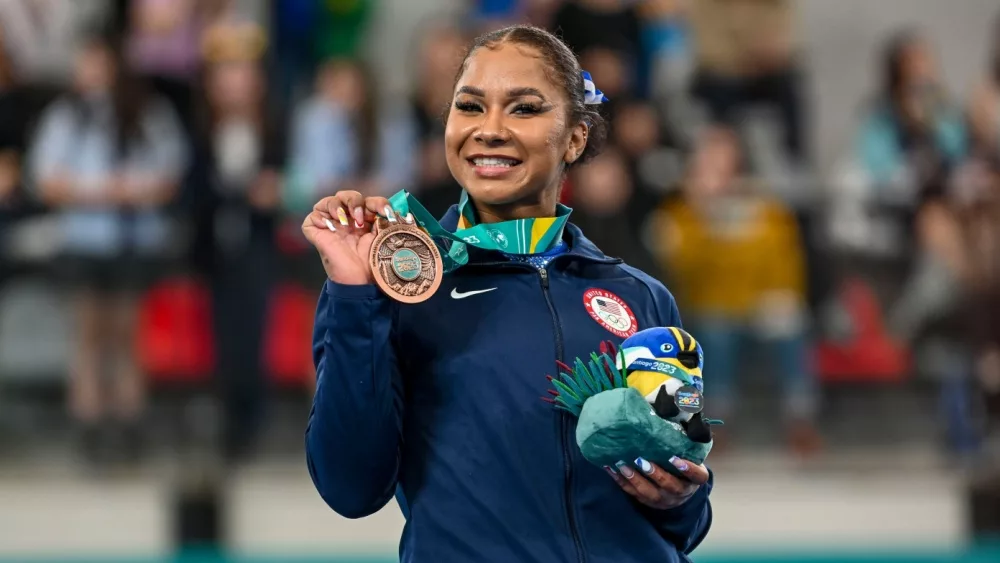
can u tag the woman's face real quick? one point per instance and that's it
(234, 86)
(94, 69)
(507, 138)
(714, 165)
(344, 83)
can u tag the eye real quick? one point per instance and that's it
(526, 109)
(467, 106)
(667, 348)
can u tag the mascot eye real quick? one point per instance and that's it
(666, 348)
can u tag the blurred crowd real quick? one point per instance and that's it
(157, 157)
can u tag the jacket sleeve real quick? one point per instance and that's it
(686, 525)
(354, 431)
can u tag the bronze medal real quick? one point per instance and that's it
(405, 262)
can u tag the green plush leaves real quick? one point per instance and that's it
(576, 384)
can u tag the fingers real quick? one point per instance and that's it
(666, 481)
(695, 473)
(622, 482)
(349, 211)
(653, 486)
(642, 489)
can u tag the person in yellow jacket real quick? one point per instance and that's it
(736, 261)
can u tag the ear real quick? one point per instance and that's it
(577, 142)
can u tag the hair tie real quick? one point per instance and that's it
(591, 95)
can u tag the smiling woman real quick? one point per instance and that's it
(437, 401)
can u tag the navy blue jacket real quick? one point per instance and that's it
(439, 404)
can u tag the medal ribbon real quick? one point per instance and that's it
(518, 236)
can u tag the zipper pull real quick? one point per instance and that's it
(545, 277)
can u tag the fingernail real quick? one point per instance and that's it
(679, 463)
(610, 471)
(359, 225)
(341, 216)
(359, 217)
(625, 469)
(389, 214)
(329, 224)
(644, 465)
(409, 218)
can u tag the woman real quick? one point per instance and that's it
(439, 402)
(108, 159)
(234, 188)
(343, 138)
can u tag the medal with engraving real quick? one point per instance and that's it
(405, 262)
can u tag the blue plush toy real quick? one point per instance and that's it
(646, 401)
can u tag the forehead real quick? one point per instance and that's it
(508, 66)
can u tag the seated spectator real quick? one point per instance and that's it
(733, 257)
(343, 139)
(911, 140)
(745, 55)
(108, 158)
(603, 24)
(605, 207)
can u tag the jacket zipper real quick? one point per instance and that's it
(564, 427)
(565, 437)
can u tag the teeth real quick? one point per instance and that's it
(494, 162)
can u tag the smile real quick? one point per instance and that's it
(493, 166)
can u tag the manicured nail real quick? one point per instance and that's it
(359, 217)
(359, 225)
(329, 224)
(409, 218)
(644, 465)
(625, 469)
(342, 216)
(679, 463)
(610, 471)
(389, 214)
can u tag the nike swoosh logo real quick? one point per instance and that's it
(456, 295)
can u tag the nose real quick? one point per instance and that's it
(491, 131)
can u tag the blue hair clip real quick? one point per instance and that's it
(591, 95)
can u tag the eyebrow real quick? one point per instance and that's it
(512, 93)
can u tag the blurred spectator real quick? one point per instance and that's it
(734, 260)
(439, 56)
(164, 45)
(107, 158)
(43, 36)
(603, 200)
(746, 55)
(984, 109)
(13, 130)
(344, 139)
(235, 186)
(910, 141)
(606, 24)
(665, 45)
(613, 73)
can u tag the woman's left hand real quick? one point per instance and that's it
(655, 487)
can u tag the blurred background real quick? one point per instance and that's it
(817, 181)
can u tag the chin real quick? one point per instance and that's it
(493, 192)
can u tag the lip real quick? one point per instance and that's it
(492, 171)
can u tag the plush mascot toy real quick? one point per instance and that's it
(643, 400)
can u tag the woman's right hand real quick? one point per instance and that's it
(345, 249)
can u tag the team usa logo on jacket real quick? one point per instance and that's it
(610, 312)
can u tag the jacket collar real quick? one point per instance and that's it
(579, 245)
